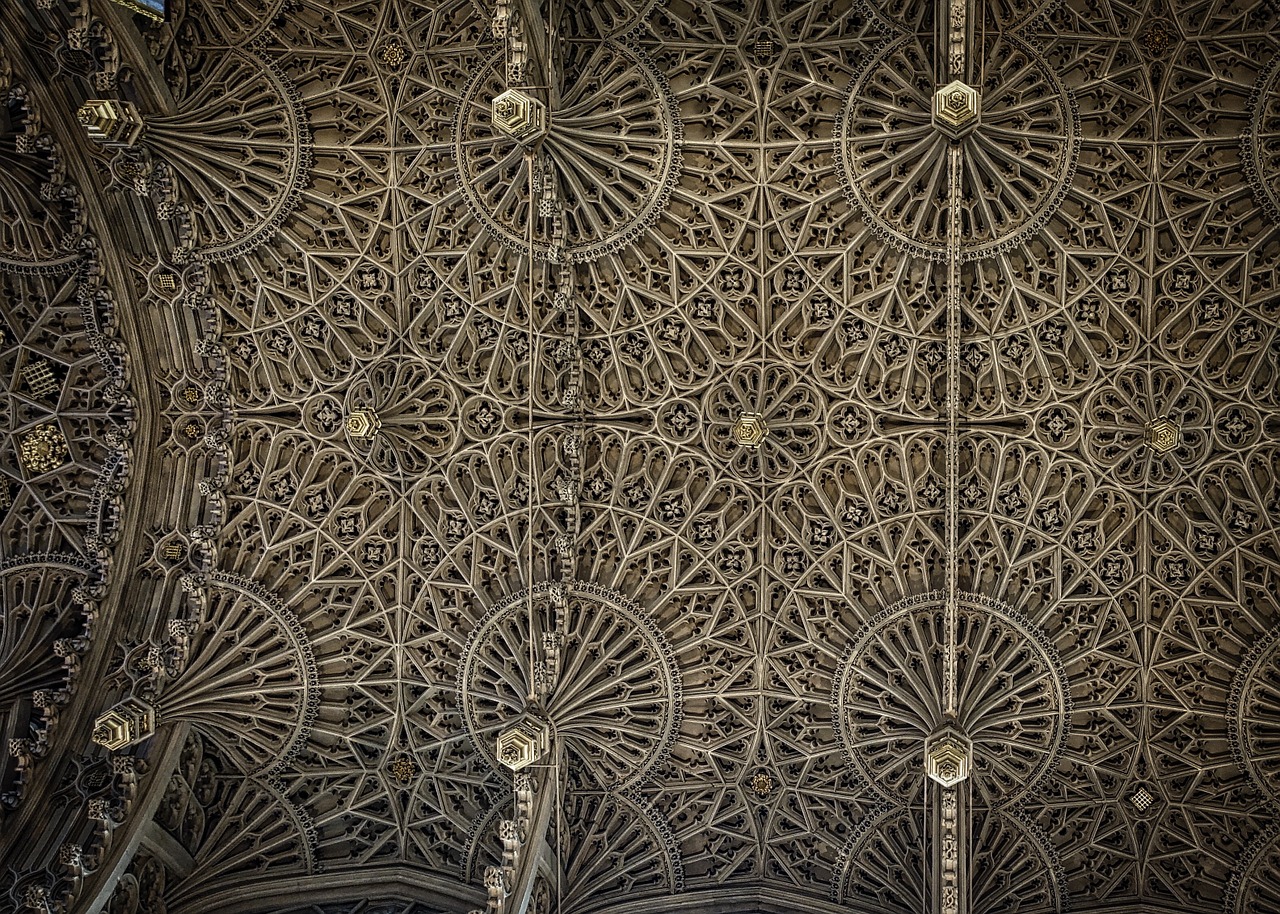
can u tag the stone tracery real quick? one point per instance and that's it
(610, 158)
(881, 867)
(893, 158)
(1008, 671)
(616, 698)
(1112, 289)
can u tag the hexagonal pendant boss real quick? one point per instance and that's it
(948, 756)
(124, 724)
(523, 743)
(110, 122)
(519, 115)
(956, 108)
(363, 423)
(1162, 435)
(750, 430)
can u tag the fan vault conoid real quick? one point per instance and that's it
(721, 423)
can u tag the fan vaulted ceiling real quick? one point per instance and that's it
(738, 425)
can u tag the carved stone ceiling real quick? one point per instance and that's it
(422, 424)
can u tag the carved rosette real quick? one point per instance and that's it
(764, 422)
(1147, 427)
(1012, 697)
(44, 448)
(416, 417)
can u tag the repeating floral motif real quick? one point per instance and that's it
(739, 208)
